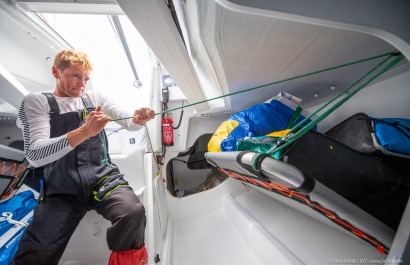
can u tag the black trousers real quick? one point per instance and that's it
(56, 218)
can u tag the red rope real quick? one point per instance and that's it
(284, 190)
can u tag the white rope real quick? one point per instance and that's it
(7, 216)
(152, 149)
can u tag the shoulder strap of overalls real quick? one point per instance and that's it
(87, 102)
(52, 102)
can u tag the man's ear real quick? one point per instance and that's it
(55, 71)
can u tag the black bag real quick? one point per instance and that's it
(189, 169)
(356, 132)
(196, 153)
(358, 177)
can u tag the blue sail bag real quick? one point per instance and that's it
(392, 136)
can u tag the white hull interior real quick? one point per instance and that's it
(233, 223)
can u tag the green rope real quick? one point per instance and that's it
(292, 137)
(84, 114)
(341, 93)
(272, 83)
(295, 116)
(103, 138)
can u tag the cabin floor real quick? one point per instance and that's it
(211, 239)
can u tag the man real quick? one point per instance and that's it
(63, 132)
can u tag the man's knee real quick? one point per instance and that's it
(130, 207)
(139, 210)
(135, 213)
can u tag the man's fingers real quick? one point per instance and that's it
(106, 119)
(142, 115)
(149, 114)
(103, 119)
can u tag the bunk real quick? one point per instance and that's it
(284, 180)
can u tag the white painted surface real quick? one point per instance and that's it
(386, 99)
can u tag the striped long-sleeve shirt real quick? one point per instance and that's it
(34, 120)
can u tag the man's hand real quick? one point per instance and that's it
(94, 123)
(142, 115)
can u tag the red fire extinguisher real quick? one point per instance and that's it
(167, 130)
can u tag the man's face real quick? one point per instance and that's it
(71, 82)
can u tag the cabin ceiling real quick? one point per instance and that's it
(72, 6)
(250, 49)
(235, 47)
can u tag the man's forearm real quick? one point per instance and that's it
(77, 136)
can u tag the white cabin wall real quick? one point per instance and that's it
(199, 126)
(388, 98)
(192, 125)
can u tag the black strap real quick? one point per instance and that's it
(87, 102)
(54, 109)
(52, 102)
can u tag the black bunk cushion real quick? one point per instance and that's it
(356, 176)
(354, 132)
